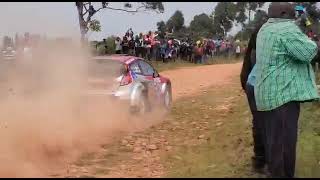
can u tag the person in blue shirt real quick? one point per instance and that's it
(247, 77)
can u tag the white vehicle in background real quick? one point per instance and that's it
(8, 53)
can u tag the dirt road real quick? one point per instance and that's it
(117, 160)
(190, 81)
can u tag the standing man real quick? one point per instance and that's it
(284, 79)
(125, 45)
(247, 77)
(238, 51)
(198, 53)
(147, 43)
(118, 45)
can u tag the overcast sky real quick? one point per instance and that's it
(60, 18)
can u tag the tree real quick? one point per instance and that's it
(243, 7)
(201, 25)
(161, 27)
(247, 30)
(86, 11)
(223, 17)
(228, 13)
(176, 22)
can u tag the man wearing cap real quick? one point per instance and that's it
(284, 79)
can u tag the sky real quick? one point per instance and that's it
(59, 19)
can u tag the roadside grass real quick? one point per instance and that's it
(308, 151)
(223, 118)
(228, 151)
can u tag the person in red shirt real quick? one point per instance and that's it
(147, 43)
(198, 53)
(153, 48)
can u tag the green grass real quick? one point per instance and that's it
(308, 151)
(228, 152)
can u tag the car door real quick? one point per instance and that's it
(153, 83)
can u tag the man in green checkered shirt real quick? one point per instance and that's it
(284, 79)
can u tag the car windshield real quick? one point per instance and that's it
(104, 68)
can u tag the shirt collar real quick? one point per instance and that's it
(275, 20)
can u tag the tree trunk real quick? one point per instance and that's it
(82, 22)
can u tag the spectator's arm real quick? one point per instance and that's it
(299, 46)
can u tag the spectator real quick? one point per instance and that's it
(125, 45)
(131, 46)
(228, 48)
(153, 46)
(198, 52)
(247, 82)
(105, 46)
(118, 45)
(163, 47)
(147, 43)
(138, 46)
(218, 46)
(284, 79)
(238, 51)
(206, 53)
(211, 47)
(223, 47)
(143, 45)
(130, 33)
(157, 49)
(170, 49)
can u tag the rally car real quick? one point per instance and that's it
(131, 79)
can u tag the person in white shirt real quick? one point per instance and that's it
(118, 45)
(238, 51)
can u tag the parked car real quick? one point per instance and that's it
(131, 79)
(8, 53)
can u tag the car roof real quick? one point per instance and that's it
(117, 57)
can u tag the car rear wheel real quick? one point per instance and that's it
(142, 106)
(167, 99)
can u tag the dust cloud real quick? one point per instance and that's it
(46, 118)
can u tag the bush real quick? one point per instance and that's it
(98, 47)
